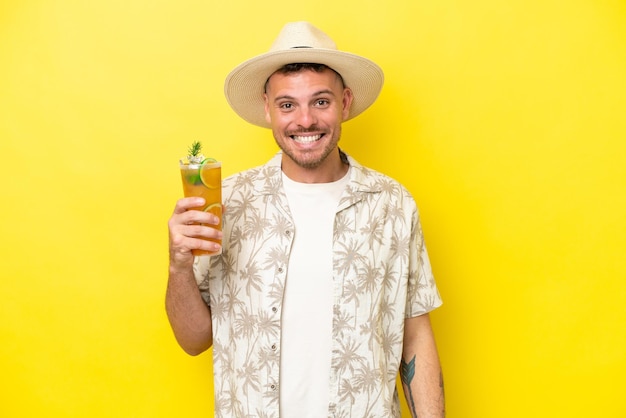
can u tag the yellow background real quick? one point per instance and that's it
(506, 119)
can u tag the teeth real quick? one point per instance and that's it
(306, 139)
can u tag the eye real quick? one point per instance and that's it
(322, 102)
(286, 106)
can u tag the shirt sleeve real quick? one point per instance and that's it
(201, 274)
(422, 292)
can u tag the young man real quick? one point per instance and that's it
(323, 287)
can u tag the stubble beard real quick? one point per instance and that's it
(309, 164)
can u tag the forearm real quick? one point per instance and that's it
(421, 375)
(187, 312)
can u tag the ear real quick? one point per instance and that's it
(268, 118)
(348, 97)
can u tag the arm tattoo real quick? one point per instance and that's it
(407, 372)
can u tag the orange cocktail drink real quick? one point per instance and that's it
(204, 180)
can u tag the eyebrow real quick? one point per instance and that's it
(316, 94)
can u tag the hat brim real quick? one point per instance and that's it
(244, 85)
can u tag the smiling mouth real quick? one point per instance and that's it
(306, 139)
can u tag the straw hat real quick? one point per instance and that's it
(300, 42)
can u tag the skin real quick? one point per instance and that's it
(189, 316)
(423, 390)
(306, 110)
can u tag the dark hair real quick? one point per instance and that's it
(301, 66)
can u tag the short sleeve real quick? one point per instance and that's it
(201, 274)
(422, 292)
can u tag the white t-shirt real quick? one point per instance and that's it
(308, 301)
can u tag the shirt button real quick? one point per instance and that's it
(280, 269)
(274, 309)
(273, 347)
(288, 233)
(273, 387)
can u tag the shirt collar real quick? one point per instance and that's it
(361, 179)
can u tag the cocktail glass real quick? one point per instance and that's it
(204, 180)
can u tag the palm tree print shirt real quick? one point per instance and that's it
(382, 275)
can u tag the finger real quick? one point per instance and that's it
(196, 217)
(193, 237)
(204, 245)
(200, 231)
(187, 237)
(187, 203)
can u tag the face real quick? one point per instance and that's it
(305, 110)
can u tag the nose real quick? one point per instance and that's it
(305, 117)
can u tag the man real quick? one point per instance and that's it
(323, 286)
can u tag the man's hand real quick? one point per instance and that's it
(189, 230)
(187, 312)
